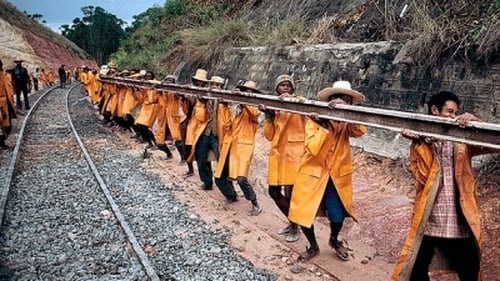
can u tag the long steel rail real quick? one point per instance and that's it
(476, 133)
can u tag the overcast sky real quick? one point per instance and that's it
(59, 12)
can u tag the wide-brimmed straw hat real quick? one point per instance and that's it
(249, 85)
(112, 64)
(217, 80)
(18, 60)
(341, 87)
(201, 75)
(170, 76)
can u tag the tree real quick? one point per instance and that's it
(97, 32)
(36, 17)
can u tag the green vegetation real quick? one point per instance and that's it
(198, 32)
(98, 32)
(448, 28)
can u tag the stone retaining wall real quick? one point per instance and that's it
(379, 70)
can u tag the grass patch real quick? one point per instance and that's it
(205, 45)
(283, 32)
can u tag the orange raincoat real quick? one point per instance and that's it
(239, 143)
(286, 134)
(149, 110)
(426, 170)
(7, 105)
(328, 155)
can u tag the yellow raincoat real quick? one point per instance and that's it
(95, 89)
(426, 170)
(149, 110)
(238, 142)
(196, 126)
(7, 105)
(328, 155)
(286, 134)
(175, 115)
(51, 77)
(161, 119)
(86, 79)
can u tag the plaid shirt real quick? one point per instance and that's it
(446, 219)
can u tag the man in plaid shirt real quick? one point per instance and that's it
(445, 231)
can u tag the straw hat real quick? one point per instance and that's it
(170, 77)
(249, 85)
(17, 60)
(282, 78)
(112, 64)
(201, 75)
(217, 80)
(341, 87)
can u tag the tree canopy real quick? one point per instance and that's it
(97, 32)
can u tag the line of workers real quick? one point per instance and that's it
(16, 83)
(310, 165)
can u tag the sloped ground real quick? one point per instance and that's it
(383, 205)
(383, 202)
(34, 50)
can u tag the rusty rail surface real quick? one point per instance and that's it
(476, 133)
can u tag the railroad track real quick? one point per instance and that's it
(76, 208)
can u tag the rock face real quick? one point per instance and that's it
(35, 50)
(380, 70)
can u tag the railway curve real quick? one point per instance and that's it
(59, 223)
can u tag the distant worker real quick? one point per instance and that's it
(51, 77)
(22, 83)
(36, 78)
(62, 76)
(44, 79)
(445, 231)
(7, 107)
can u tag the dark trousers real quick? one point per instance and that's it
(146, 134)
(35, 84)
(227, 188)
(460, 251)
(282, 201)
(203, 146)
(24, 90)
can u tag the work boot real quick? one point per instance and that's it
(164, 148)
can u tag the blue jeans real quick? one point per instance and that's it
(334, 208)
(203, 146)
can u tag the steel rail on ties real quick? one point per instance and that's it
(476, 133)
(15, 155)
(151, 273)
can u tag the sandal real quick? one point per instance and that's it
(285, 230)
(308, 254)
(339, 248)
(187, 174)
(293, 234)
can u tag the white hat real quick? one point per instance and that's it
(341, 87)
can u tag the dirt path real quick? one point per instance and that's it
(383, 203)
